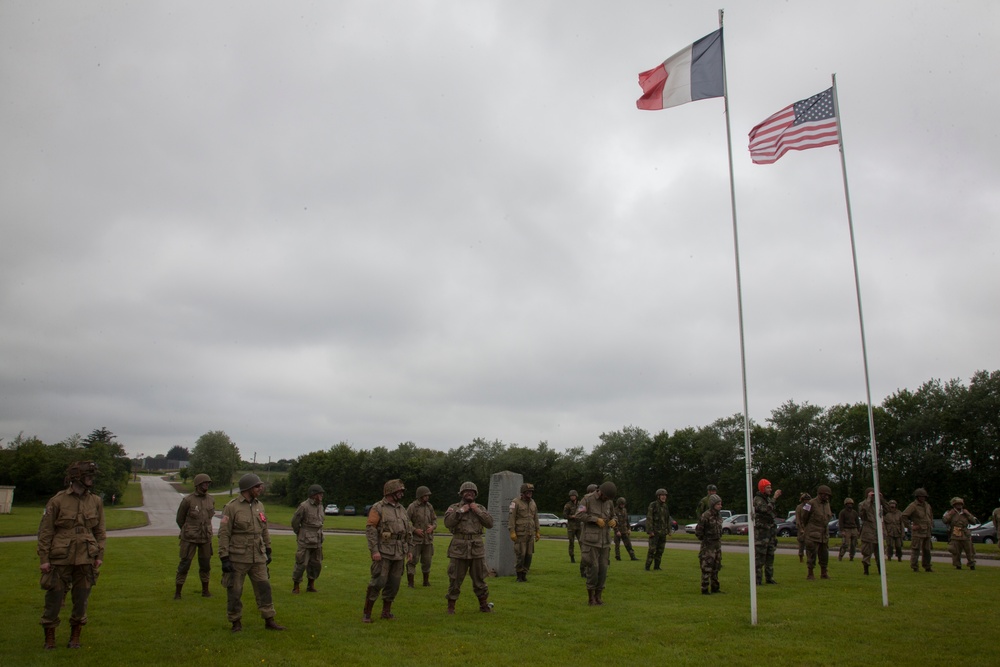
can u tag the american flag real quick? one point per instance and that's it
(808, 123)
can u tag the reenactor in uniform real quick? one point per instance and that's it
(958, 520)
(709, 531)
(572, 523)
(892, 524)
(424, 522)
(466, 520)
(705, 503)
(849, 525)
(869, 530)
(597, 513)
(245, 549)
(194, 518)
(70, 548)
(622, 530)
(995, 518)
(919, 516)
(765, 531)
(307, 524)
(657, 528)
(817, 515)
(388, 530)
(800, 525)
(522, 521)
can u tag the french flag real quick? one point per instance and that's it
(693, 73)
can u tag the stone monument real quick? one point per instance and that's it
(504, 487)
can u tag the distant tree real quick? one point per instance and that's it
(178, 453)
(184, 473)
(102, 447)
(215, 455)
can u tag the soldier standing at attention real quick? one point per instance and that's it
(572, 523)
(892, 524)
(800, 524)
(245, 548)
(307, 524)
(705, 503)
(597, 513)
(919, 516)
(869, 530)
(849, 525)
(466, 520)
(816, 518)
(70, 550)
(194, 518)
(765, 530)
(958, 520)
(522, 520)
(622, 530)
(424, 522)
(709, 531)
(657, 528)
(388, 531)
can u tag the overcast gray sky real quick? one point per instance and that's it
(306, 223)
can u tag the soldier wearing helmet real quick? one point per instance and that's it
(657, 528)
(709, 531)
(522, 522)
(307, 524)
(958, 519)
(816, 517)
(703, 504)
(245, 549)
(765, 530)
(995, 517)
(194, 518)
(597, 513)
(466, 520)
(388, 530)
(424, 521)
(849, 525)
(623, 529)
(800, 532)
(919, 516)
(71, 539)
(892, 526)
(572, 523)
(869, 530)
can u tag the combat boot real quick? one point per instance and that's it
(972, 566)
(451, 607)
(648, 563)
(823, 574)
(597, 597)
(387, 610)
(311, 586)
(177, 591)
(810, 576)
(427, 578)
(409, 580)
(295, 587)
(801, 559)
(366, 615)
(632, 555)
(618, 555)
(866, 568)
(237, 626)
(590, 597)
(572, 558)
(484, 605)
(50, 638)
(271, 624)
(204, 590)
(704, 591)
(770, 580)
(74, 636)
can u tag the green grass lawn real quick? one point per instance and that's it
(648, 616)
(23, 518)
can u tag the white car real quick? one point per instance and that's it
(331, 509)
(545, 519)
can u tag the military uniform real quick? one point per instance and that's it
(800, 525)
(70, 549)
(245, 549)
(869, 532)
(765, 540)
(194, 518)
(958, 520)
(817, 516)
(892, 525)
(995, 518)
(920, 517)
(623, 531)
(467, 552)
(423, 519)
(522, 521)
(848, 525)
(307, 523)
(709, 531)
(657, 527)
(388, 530)
(573, 526)
(596, 512)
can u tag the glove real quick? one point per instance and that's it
(613, 523)
(538, 537)
(513, 536)
(600, 522)
(227, 567)
(268, 552)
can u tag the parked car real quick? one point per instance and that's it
(545, 519)
(331, 509)
(350, 511)
(985, 533)
(834, 527)
(939, 532)
(689, 528)
(641, 524)
(787, 528)
(731, 525)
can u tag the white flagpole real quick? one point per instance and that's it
(864, 355)
(743, 356)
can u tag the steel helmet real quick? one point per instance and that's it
(201, 478)
(848, 501)
(762, 484)
(392, 486)
(956, 501)
(574, 493)
(468, 486)
(609, 490)
(714, 500)
(661, 492)
(423, 491)
(621, 501)
(248, 481)
(804, 497)
(591, 488)
(527, 487)
(712, 488)
(314, 489)
(823, 488)
(921, 492)
(80, 469)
